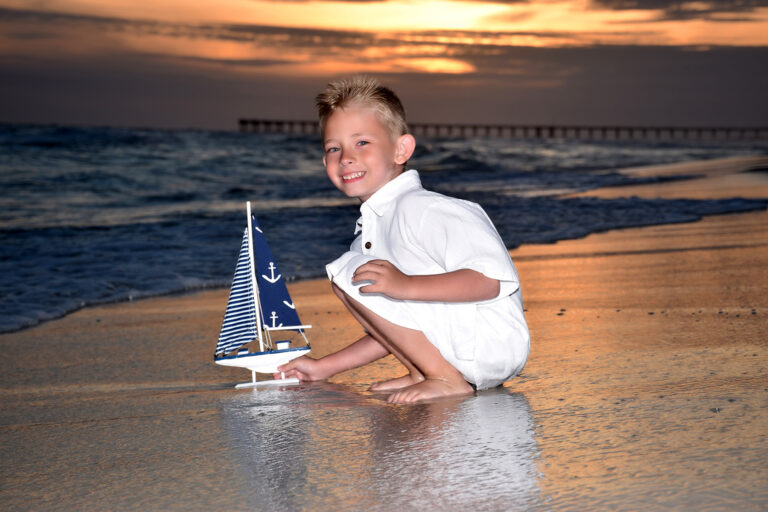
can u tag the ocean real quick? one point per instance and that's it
(92, 215)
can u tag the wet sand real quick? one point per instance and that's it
(647, 389)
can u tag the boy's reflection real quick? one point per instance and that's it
(325, 446)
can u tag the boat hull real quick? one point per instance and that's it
(262, 362)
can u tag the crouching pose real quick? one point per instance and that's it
(428, 277)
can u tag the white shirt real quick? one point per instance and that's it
(422, 233)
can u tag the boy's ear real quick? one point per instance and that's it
(325, 164)
(406, 145)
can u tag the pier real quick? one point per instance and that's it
(533, 131)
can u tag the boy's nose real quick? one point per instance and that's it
(346, 157)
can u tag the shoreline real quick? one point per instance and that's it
(645, 388)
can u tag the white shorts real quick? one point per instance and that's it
(487, 343)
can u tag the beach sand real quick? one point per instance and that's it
(646, 389)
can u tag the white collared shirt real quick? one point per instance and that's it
(422, 233)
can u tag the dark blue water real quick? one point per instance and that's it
(95, 215)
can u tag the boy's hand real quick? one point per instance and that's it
(385, 278)
(464, 285)
(303, 368)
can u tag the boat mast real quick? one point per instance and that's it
(254, 285)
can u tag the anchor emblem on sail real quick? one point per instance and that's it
(274, 318)
(272, 269)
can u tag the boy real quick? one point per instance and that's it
(428, 278)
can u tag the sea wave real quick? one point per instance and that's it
(93, 215)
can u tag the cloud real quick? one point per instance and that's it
(345, 1)
(294, 37)
(680, 10)
(384, 1)
(37, 17)
(247, 46)
(239, 62)
(495, 39)
(286, 36)
(251, 48)
(64, 68)
(588, 85)
(262, 34)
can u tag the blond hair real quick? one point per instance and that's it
(367, 91)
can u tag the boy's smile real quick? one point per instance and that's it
(361, 154)
(353, 176)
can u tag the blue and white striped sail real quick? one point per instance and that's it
(239, 326)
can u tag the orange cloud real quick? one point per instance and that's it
(329, 43)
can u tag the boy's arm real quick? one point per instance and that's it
(363, 351)
(463, 285)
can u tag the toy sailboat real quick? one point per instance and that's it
(258, 305)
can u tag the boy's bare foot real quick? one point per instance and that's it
(430, 388)
(393, 384)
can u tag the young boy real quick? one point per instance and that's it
(428, 277)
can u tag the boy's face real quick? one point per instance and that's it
(361, 155)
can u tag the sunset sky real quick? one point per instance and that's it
(174, 63)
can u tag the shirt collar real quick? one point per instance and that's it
(387, 195)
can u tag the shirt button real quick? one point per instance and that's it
(367, 245)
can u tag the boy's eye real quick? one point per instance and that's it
(331, 150)
(362, 142)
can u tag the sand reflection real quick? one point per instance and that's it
(326, 447)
